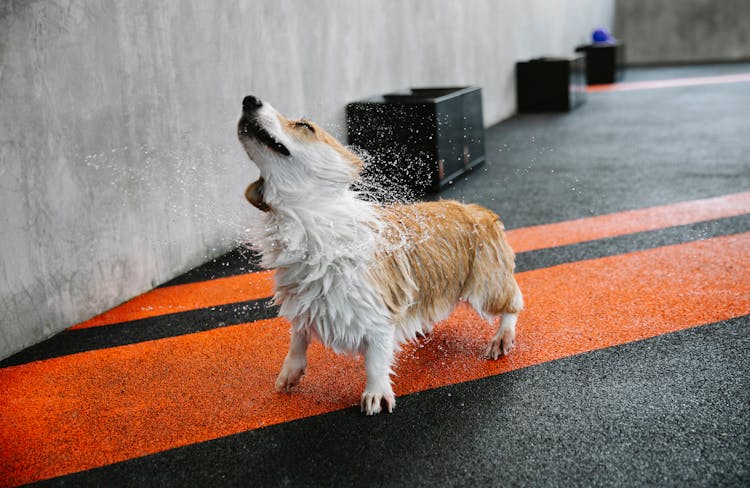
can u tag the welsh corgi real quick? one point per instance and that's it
(363, 278)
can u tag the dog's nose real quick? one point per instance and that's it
(250, 103)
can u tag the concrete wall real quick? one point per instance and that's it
(683, 31)
(119, 167)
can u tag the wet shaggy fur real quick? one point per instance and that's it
(359, 277)
(436, 254)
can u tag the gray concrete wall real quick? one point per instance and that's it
(119, 167)
(683, 31)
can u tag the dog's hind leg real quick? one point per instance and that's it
(378, 351)
(505, 337)
(295, 362)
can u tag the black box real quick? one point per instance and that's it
(420, 139)
(604, 62)
(550, 84)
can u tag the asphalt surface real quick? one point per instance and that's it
(670, 410)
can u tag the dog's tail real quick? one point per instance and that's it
(490, 222)
(509, 298)
(515, 304)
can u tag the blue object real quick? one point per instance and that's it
(600, 36)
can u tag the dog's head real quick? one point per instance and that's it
(297, 159)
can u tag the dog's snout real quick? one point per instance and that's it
(250, 103)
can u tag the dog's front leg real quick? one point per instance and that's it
(295, 362)
(378, 352)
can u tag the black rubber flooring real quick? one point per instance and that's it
(668, 411)
(673, 410)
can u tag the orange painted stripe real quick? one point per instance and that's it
(191, 296)
(671, 83)
(621, 223)
(95, 408)
(253, 286)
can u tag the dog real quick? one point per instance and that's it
(360, 277)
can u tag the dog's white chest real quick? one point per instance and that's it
(338, 306)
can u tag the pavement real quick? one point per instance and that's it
(630, 217)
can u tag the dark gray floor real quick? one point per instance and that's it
(669, 411)
(619, 151)
(647, 73)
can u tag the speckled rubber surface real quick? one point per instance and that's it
(631, 221)
(668, 411)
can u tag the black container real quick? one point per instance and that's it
(550, 84)
(604, 62)
(420, 139)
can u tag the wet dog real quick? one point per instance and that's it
(360, 277)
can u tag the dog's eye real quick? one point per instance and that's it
(305, 124)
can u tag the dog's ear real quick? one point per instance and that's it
(254, 195)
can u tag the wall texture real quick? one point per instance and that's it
(683, 31)
(119, 167)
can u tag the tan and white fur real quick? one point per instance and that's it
(360, 277)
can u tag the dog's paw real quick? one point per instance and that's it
(372, 402)
(499, 346)
(289, 376)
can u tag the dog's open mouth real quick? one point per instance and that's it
(249, 127)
